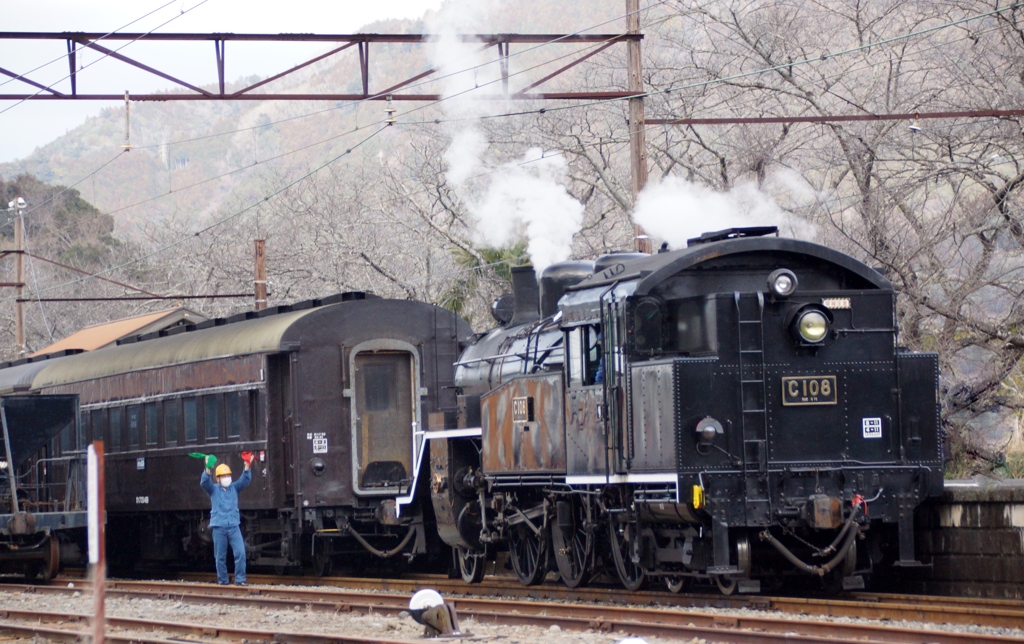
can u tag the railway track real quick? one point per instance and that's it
(995, 613)
(643, 621)
(73, 627)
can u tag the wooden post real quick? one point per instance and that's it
(97, 538)
(637, 139)
(261, 275)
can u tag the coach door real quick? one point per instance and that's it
(385, 386)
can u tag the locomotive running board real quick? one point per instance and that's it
(469, 432)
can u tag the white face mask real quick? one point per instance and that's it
(225, 481)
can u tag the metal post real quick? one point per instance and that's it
(261, 275)
(19, 264)
(637, 140)
(10, 461)
(97, 539)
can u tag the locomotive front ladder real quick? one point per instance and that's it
(753, 417)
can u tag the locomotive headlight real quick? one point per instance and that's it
(812, 325)
(782, 282)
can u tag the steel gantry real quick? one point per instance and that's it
(104, 44)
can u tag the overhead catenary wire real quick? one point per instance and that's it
(108, 34)
(435, 79)
(607, 101)
(295, 150)
(432, 79)
(127, 44)
(208, 227)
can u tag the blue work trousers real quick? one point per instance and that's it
(221, 538)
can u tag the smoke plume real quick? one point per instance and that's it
(675, 210)
(508, 202)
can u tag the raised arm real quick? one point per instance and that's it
(206, 481)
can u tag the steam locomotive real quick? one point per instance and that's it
(732, 412)
(736, 412)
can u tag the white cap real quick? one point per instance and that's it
(424, 599)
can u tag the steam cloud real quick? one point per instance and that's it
(676, 210)
(522, 199)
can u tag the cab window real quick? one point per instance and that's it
(585, 360)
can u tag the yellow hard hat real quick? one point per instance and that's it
(221, 470)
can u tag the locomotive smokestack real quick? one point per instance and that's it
(526, 294)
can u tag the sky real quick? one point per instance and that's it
(25, 126)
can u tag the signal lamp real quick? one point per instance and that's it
(782, 282)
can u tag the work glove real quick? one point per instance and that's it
(211, 460)
(248, 457)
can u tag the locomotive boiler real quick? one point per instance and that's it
(734, 412)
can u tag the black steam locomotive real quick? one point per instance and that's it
(728, 412)
(736, 411)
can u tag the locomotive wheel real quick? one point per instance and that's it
(51, 564)
(678, 584)
(529, 553)
(471, 566)
(630, 574)
(574, 547)
(726, 585)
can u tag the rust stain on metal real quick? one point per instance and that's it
(533, 443)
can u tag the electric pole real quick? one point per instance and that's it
(18, 207)
(261, 275)
(637, 140)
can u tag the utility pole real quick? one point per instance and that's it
(19, 282)
(261, 275)
(637, 140)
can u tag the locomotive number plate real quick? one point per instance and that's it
(808, 390)
(522, 410)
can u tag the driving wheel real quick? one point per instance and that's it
(529, 553)
(573, 541)
(622, 537)
(471, 566)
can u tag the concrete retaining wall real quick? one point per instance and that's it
(974, 538)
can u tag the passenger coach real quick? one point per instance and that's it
(332, 395)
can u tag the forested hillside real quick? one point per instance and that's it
(425, 207)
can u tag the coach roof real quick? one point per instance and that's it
(261, 335)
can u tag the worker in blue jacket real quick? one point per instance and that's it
(224, 517)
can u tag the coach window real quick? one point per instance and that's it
(67, 439)
(172, 420)
(85, 429)
(152, 424)
(117, 414)
(134, 414)
(191, 420)
(233, 404)
(99, 429)
(211, 416)
(259, 429)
